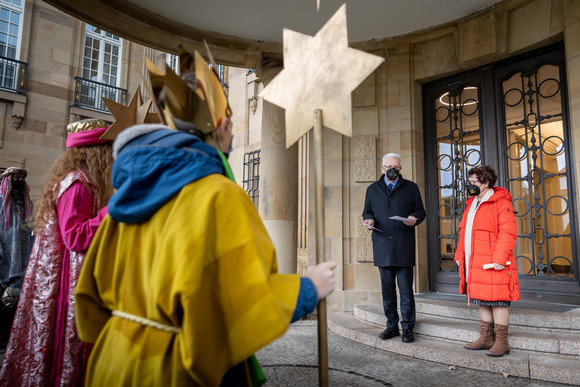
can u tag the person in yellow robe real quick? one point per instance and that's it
(180, 285)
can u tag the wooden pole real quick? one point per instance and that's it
(320, 248)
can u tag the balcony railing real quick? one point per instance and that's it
(221, 70)
(89, 94)
(13, 74)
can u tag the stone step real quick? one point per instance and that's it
(547, 341)
(524, 314)
(518, 363)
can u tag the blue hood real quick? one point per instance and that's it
(154, 166)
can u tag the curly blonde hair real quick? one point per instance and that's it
(95, 161)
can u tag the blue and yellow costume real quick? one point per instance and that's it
(180, 283)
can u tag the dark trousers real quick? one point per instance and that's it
(404, 278)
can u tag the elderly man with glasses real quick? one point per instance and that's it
(393, 207)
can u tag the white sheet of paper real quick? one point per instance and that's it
(371, 227)
(396, 217)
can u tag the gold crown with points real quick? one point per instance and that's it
(135, 113)
(202, 104)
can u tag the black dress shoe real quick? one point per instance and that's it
(389, 333)
(408, 336)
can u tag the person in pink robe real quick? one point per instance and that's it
(44, 349)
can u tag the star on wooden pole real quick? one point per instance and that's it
(319, 76)
(319, 72)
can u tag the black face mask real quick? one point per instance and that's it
(473, 190)
(392, 174)
(18, 185)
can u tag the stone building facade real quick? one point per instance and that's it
(397, 110)
(49, 49)
(445, 98)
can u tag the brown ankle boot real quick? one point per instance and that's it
(486, 337)
(501, 346)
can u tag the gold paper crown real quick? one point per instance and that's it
(135, 113)
(202, 107)
(88, 124)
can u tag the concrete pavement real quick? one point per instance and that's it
(293, 359)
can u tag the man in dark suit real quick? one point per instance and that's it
(394, 242)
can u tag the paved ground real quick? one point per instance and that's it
(292, 361)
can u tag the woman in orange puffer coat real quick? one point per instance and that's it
(485, 256)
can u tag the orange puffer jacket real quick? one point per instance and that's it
(493, 238)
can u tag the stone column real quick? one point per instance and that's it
(278, 177)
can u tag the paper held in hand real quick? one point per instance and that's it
(490, 265)
(396, 217)
(371, 227)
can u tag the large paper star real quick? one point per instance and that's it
(135, 113)
(319, 72)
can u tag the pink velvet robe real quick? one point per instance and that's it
(44, 348)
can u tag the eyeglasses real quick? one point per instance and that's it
(392, 166)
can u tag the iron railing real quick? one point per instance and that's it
(89, 94)
(251, 178)
(13, 75)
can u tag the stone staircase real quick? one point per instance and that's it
(544, 338)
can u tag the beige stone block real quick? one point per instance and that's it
(364, 94)
(367, 277)
(536, 14)
(365, 154)
(477, 37)
(365, 121)
(45, 140)
(352, 297)
(392, 94)
(398, 68)
(365, 147)
(332, 172)
(362, 250)
(383, 121)
(67, 32)
(53, 15)
(365, 171)
(439, 56)
(53, 111)
(573, 67)
(404, 88)
(557, 17)
(334, 301)
(333, 198)
(333, 223)
(61, 57)
(273, 126)
(278, 183)
(418, 65)
(348, 277)
(396, 126)
(332, 145)
(357, 195)
(62, 79)
(398, 113)
(571, 12)
(406, 143)
(572, 41)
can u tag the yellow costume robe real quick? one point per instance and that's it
(203, 263)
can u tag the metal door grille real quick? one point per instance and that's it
(251, 177)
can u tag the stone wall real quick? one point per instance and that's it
(32, 126)
(390, 117)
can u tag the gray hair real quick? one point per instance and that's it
(391, 156)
